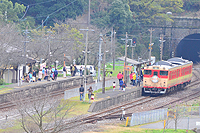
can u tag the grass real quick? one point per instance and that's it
(100, 90)
(113, 128)
(4, 89)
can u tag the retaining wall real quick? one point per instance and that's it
(95, 86)
(46, 87)
(100, 105)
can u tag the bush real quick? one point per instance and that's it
(1, 81)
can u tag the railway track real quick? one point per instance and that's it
(115, 112)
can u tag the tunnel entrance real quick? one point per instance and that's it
(189, 48)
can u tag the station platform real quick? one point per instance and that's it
(113, 93)
(113, 97)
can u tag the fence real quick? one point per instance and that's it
(184, 117)
(149, 116)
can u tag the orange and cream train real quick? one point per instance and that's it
(166, 76)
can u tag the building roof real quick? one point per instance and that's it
(131, 61)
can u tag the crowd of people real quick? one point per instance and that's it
(135, 79)
(51, 73)
(73, 70)
(48, 73)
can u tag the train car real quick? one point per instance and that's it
(166, 76)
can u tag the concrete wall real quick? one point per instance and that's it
(95, 86)
(100, 105)
(60, 85)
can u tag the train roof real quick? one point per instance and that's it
(165, 64)
(177, 59)
(170, 63)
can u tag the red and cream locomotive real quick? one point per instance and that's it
(166, 76)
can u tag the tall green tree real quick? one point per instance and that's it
(57, 10)
(118, 15)
(147, 10)
(11, 12)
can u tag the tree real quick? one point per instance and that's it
(11, 46)
(41, 112)
(147, 10)
(56, 10)
(51, 43)
(9, 12)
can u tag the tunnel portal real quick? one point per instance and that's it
(189, 48)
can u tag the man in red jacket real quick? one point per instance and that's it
(119, 76)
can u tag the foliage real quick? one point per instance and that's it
(1, 81)
(147, 10)
(57, 10)
(10, 12)
(117, 15)
(191, 5)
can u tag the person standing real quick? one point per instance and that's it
(55, 74)
(119, 76)
(34, 76)
(120, 85)
(131, 77)
(40, 75)
(30, 77)
(114, 86)
(138, 80)
(64, 71)
(73, 70)
(124, 86)
(142, 73)
(134, 78)
(48, 74)
(90, 93)
(81, 71)
(81, 91)
(43, 73)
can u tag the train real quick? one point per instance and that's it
(166, 76)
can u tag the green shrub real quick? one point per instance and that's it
(1, 81)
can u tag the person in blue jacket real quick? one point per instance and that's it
(120, 84)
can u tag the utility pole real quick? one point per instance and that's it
(89, 13)
(114, 51)
(86, 44)
(150, 44)
(125, 59)
(100, 58)
(104, 71)
(111, 45)
(26, 32)
(126, 39)
(161, 45)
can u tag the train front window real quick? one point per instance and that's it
(147, 72)
(164, 73)
(155, 73)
